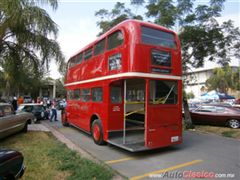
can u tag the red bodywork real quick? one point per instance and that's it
(163, 122)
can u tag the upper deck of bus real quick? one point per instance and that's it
(138, 52)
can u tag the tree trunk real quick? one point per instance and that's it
(187, 116)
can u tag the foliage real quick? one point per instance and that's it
(27, 43)
(60, 90)
(222, 79)
(111, 18)
(190, 95)
(202, 37)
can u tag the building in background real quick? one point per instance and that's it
(48, 89)
(196, 78)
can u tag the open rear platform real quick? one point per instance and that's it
(134, 140)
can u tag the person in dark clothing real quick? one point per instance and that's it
(14, 103)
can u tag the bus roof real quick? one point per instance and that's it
(122, 24)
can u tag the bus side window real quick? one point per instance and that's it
(116, 95)
(97, 94)
(99, 47)
(70, 94)
(77, 94)
(85, 95)
(88, 53)
(79, 58)
(71, 62)
(115, 40)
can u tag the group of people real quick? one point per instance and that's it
(51, 104)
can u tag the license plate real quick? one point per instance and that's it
(174, 138)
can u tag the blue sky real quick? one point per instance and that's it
(77, 22)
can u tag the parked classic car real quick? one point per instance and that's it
(12, 122)
(11, 164)
(216, 115)
(38, 110)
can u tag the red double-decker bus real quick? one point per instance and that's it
(125, 88)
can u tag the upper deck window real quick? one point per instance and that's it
(79, 59)
(88, 54)
(157, 37)
(71, 63)
(99, 47)
(115, 40)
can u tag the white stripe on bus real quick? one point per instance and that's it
(128, 74)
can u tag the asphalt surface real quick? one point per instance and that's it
(200, 154)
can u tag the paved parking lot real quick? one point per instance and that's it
(203, 153)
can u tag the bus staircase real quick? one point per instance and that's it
(131, 137)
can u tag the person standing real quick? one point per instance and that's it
(14, 103)
(54, 111)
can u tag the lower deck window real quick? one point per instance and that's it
(163, 92)
(97, 94)
(116, 95)
(70, 94)
(85, 95)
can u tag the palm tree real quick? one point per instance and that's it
(221, 80)
(27, 41)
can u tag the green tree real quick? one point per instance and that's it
(60, 90)
(222, 80)
(27, 43)
(111, 18)
(202, 37)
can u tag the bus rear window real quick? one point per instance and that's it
(163, 92)
(157, 37)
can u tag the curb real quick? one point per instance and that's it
(82, 152)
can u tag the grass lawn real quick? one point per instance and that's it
(222, 131)
(47, 158)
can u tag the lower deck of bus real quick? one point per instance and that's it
(137, 113)
(136, 121)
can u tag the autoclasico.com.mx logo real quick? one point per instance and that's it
(192, 174)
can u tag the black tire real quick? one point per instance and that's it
(97, 132)
(25, 129)
(234, 123)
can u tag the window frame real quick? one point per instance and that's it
(112, 34)
(95, 47)
(83, 95)
(86, 51)
(79, 58)
(163, 39)
(79, 94)
(70, 94)
(120, 96)
(92, 93)
(162, 101)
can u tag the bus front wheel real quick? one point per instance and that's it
(97, 132)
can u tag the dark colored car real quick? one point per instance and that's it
(216, 115)
(11, 164)
(39, 111)
(12, 122)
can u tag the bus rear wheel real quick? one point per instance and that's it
(97, 132)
